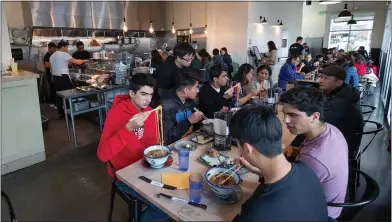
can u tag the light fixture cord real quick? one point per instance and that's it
(190, 12)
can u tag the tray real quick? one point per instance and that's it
(212, 162)
(196, 138)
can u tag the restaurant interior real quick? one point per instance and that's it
(71, 70)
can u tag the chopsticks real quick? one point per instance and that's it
(226, 171)
(232, 174)
(149, 112)
(237, 85)
(196, 110)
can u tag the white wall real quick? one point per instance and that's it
(14, 14)
(227, 27)
(378, 9)
(5, 46)
(313, 23)
(289, 12)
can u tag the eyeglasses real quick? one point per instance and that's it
(188, 60)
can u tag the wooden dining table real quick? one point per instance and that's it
(181, 211)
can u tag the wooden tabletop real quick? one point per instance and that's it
(181, 211)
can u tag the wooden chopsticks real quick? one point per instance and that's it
(232, 174)
(149, 112)
(196, 110)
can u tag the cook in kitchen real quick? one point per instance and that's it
(81, 54)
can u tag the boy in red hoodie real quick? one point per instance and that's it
(123, 140)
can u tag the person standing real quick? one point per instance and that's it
(167, 75)
(81, 54)
(325, 149)
(296, 48)
(49, 78)
(287, 191)
(59, 62)
(271, 58)
(227, 60)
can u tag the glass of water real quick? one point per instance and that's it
(195, 187)
(183, 159)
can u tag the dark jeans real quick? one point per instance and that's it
(61, 83)
(52, 93)
(152, 213)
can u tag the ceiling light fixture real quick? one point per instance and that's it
(173, 29)
(352, 21)
(190, 18)
(264, 21)
(345, 12)
(281, 23)
(328, 2)
(205, 27)
(151, 29)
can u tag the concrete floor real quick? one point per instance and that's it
(72, 185)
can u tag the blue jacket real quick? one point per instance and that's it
(351, 74)
(287, 73)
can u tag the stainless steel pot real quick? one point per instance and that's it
(127, 40)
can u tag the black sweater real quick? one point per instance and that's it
(167, 74)
(211, 101)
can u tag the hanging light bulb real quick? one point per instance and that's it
(190, 29)
(125, 28)
(205, 30)
(151, 30)
(173, 29)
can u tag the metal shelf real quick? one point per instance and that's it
(86, 110)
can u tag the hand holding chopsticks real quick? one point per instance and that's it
(137, 120)
(196, 110)
(232, 173)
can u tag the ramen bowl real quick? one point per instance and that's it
(159, 161)
(221, 190)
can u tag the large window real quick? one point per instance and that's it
(350, 37)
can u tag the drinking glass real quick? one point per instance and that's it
(195, 187)
(183, 159)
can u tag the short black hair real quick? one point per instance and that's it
(306, 99)
(139, 80)
(186, 80)
(183, 49)
(62, 44)
(79, 44)
(215, 52)
(261, 68)
(259, 127)
(341, 62)
(52, 45)
(319, 56)
(299, 38)
(216, 70)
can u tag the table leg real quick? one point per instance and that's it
(66, 118)
(106, 103)
(100, 111)
(73, 122)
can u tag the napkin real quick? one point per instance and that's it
(179, 180)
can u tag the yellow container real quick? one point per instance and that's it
(14, 67)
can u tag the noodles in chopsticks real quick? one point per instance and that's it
(158, 119)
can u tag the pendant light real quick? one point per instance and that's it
(352, 21)
(205, 27)
(190, 18)
(281, 23)
(125, 28)
(173, 29)
(345, 12)
(151, 29)
(264, 22)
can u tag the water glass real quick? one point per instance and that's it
(183, 159)
(195, 187)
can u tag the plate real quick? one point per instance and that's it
(201, 139)
(211, 161)
(168, 162)
(235, 196)
(179, 144)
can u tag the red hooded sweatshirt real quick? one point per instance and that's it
(120, 146)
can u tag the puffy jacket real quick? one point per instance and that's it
(175, 118)
(287, 73)
(120, 146)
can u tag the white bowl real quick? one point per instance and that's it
(235, 109)
(159, 161)
(221, 191)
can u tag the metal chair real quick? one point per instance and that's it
(351, 209)
(355, 162)
(134, 205)
(372, 108)
(9, 205)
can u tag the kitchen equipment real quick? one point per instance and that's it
(135, 41)
(152, 182)
(127, 40)
(79, 106)
(202, 206)
(20, 41)
(96, 55)
(222, 138)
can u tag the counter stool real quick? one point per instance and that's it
(9, 205)
(134, 206)
(372, 108)
(355, 162)
(351, 209)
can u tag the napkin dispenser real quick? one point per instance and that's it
(222, 138)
